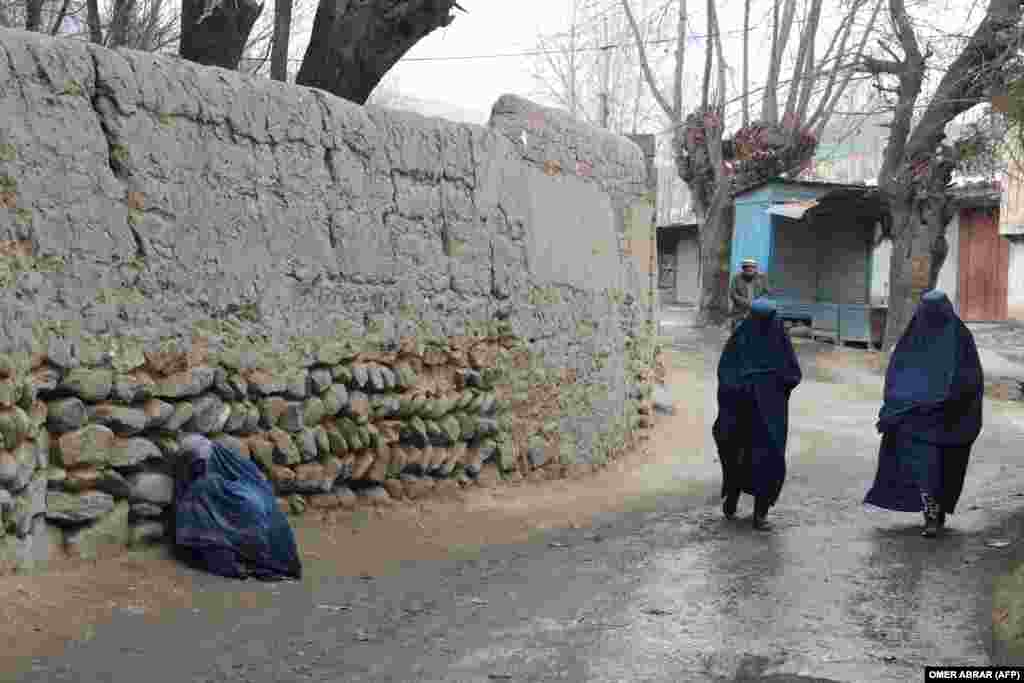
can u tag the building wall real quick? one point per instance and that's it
(688, 268)
(1015, 296)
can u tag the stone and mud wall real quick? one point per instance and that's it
(370, 304)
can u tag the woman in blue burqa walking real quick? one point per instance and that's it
(757, 373)
(931, 415)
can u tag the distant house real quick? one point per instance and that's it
(976, 271)
(678, 242)
(1011, 227)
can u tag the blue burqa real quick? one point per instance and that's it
(226, 517)
(931, 414)
(757, 373)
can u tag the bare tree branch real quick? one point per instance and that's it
(677, 78)
(770, 104)
(645, 63)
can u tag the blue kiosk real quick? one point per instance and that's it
(814, 242)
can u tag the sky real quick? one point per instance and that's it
(470, 86)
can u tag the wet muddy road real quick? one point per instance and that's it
(836, 592)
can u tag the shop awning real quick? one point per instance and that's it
(793, 210)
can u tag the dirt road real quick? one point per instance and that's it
(652, 585)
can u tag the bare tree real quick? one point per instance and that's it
(353, 44)
(592, 70)
(782, 142)
(918, 165)
(282, 38)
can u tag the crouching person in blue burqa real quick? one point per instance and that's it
(226, 517)
(757, 373)
(931, 415)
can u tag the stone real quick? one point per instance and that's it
(263, 384)
(395, 488)
(346, 497)
(342, 374)
(311, 478)
(376, 378)
(360, 375)
(468, 378)
(224, 388)
(472, 470)
(15, 426)
(146, 511)
(56, 476)
(89, 385)
(418, 489)
(320, 380)
(107, 536)
(168, 445)
(187, 384)
(359, 405)
(297, 504)
(285, 450)
(182, 414)
(282, 477)
(237, 416)
(208, 415)
(362, 466)
(66, 415)
(390, 380)
(486, 427)
(296, 386)
(89, 445)
(405, 376)
(262, 452)
(70, 508)
(121, 420)
(307, 445)
(292, 420)
(537, 456)
(313, 411)
(146, 532)
(128, 388)
(131, 453)
(45, 380)
(338, 444)
(381, 462)
(17, 467)
(114, 483)
(334, 353)
(158, 412)
(60, 353)
(28, 505)
(252, 421)
(151, 487)
(240, 386)
(272, 409)
(374, 495)
(335, 399)
(82, 479)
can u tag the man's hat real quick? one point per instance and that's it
(749, 262)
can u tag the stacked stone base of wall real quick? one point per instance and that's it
(89, 452)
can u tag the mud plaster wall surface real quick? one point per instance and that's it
(148, 199)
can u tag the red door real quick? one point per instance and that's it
(984, 266)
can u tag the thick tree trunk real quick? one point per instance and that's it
(93, 18)
(715, 246)
(120, 25)
(219, 37)
(353, 44)
(34, 15)
(282, 38)
(919, 249)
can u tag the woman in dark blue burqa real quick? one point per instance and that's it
(931, 415)
(757, 373)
